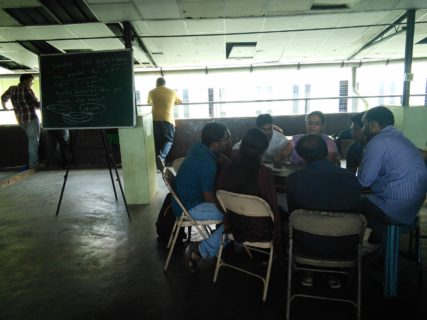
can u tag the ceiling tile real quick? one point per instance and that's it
(111, 12)
(89, 30)
(158, 9)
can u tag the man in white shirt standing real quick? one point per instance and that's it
(279, 147)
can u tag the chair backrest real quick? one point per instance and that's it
(177, 163)
(340, 233)
(168, 178)
(247, 205)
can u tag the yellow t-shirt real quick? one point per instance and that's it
(163, 100)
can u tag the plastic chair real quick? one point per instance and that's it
(185, 220)
(392, 253)
(249, 206)
(342, 236)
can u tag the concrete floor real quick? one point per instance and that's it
(91, 262)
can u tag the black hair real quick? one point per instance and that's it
(312, 147)
(213, 132)
(263, 119)
(254, 144)
(242, 174)
(380, 114)
(160, 81)
(317, 113)
(25, 77)
(357, 119)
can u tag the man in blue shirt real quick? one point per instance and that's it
(394, 170)
(195, 186)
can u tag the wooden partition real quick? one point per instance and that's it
(89, 152)
(188, 131)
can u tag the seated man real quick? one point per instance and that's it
(355, 150)
(195, 186)
(394, 170)
(320, 186)
(279, 147)
(315, 123)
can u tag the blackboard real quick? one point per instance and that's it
(87, 90)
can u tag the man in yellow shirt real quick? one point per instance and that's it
(163, 100)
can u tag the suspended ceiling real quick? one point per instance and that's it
(171, 34)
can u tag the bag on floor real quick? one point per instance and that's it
(166, 220)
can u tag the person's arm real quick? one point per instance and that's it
(207, 178)
(351, 159)
(284, 153)
(31, 99)
(332, 151)
(371, 164)
(177, 99)
(277, 128)
(149, 100)
(5, 97)
(209, 197)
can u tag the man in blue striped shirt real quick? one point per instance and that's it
(195, 186)
(394, 170)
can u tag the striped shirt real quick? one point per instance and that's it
(196, 175)
(24, 102)
(394, 169)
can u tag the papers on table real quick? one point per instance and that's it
(283, 171)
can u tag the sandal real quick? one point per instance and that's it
(192, 256)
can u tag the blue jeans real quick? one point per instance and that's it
(209, 211)
(32, 131)
(164, 133)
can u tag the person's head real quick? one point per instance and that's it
(375, 120)
(315, 122)
(253, 145)
(26, 80)
(216, 136)
(264, 122)
(312, 147)
(356, 126)
(160, 82)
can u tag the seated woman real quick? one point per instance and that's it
(315, 123)
(246, 175)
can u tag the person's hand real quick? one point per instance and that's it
(277, 128)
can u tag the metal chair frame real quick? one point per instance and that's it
(300, 220)
(251, 206)
(185, 220)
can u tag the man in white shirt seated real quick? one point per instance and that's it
(279, 147)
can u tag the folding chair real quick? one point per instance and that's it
(177, 163)
(185, 220)
(342, 236)
(249, 206)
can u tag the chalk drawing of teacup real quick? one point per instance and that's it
(77, 117)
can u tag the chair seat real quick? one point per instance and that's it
(257, 244)
(323, 262)
(189, 223)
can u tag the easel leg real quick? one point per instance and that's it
(70, 159)
(110, 161)
(107, 157)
